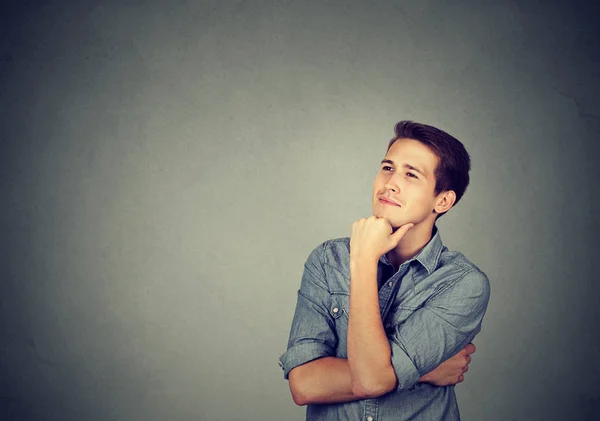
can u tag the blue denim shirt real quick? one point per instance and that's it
(431, 308)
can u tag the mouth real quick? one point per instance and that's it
(387, 201)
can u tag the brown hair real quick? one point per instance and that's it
(452, 171)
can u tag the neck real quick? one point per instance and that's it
(410, 245)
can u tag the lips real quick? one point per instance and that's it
(387, 201)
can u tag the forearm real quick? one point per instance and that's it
(324, 380)
(369, 354)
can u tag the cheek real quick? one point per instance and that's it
(377, 187)
(418, 198)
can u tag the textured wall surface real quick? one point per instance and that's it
(167, 166)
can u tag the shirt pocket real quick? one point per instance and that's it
(340, 305)
(340, 310)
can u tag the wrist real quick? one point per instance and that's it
(363, 260)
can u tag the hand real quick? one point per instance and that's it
(372, 237)
(451, 371)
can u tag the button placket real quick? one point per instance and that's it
(371, 409)
(386, 299)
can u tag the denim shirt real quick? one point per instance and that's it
(431, 308)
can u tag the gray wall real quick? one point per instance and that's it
(166, 168)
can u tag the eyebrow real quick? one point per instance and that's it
(410, 167)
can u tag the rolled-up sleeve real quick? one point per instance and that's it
(312, 334)
(445, 324)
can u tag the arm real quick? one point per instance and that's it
(443, 326)
(451, 371)
(369, 351)
(315, 375)
(433, 334)
(328, 380)
(324, 380)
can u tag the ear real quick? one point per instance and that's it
(445, 201)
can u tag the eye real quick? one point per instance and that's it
(386, 168)
(409, 174)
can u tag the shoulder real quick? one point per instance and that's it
(459, 270)
(330, 262)
(331, 252)
(457, 261)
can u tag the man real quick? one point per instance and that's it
(384, 319)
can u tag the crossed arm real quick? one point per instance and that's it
(368, 371)
(376, 363)
(328, 379)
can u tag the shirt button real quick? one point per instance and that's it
(369, 418)
(335, 309)
(390, 283)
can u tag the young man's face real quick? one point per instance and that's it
(403, 191)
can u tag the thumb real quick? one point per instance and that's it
(400, 233)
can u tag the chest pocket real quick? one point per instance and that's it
(340, 305)
(339, 311)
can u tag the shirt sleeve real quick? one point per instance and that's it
(312, 334)
(438, 330)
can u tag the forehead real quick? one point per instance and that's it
(412, 152)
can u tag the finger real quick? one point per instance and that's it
(468, 358)
(465, 368)
(470, 349)
(461, 378)
(356, 224)
(401, 232)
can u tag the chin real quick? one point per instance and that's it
(395, 223)
(385, 215)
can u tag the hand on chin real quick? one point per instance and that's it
(395, 224)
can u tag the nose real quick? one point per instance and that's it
(390, 185)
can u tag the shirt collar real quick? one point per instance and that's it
(429, 255)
